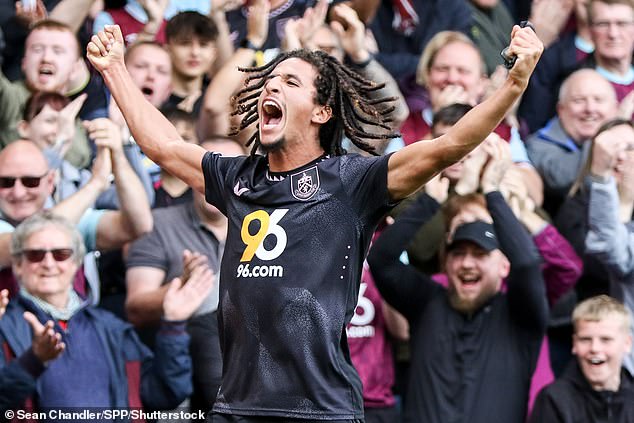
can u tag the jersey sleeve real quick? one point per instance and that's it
(365, 181)
(217, 171)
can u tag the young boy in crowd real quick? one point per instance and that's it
(596, 387)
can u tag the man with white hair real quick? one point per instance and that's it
(586, 101)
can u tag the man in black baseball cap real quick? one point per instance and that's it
(475, 266)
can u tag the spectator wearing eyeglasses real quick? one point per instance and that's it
(611, 28)
(109, 366)
(26, 183)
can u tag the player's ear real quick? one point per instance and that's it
(322, 114)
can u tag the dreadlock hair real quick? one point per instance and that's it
(338, 87)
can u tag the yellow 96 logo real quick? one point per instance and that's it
(269, 225)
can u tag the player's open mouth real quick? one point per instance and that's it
(272, 113)
(147, 91)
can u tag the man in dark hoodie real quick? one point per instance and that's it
(596, 387)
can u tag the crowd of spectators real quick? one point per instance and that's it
(503, 291)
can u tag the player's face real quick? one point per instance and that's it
(589, 103)
(151, 70)
(50, 60)
(474, 275)
(600, 348)
(612, 30)
(287, 106)
(191, 58)
(456, 65)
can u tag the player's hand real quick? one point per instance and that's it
(47, 344)
(528, 48)
(106, 48)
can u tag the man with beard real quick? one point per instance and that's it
(470, 341)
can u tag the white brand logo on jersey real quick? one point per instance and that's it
(239, 191)
(305, 184)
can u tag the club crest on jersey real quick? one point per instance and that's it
(305, 184)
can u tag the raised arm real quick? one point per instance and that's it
(72, 12)
(157, 137)
(401, 285)
(134, 217)
(412, 166)
(215, 114)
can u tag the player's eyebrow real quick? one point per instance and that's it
(286, 77)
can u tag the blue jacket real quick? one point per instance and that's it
(138, 378)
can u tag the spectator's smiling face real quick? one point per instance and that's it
(600, 347)
(151, 70)
(589, 102)
(52, 276)
(51, 60)
(474, 275)
(19, 201)
(43, 128)
(612, 29)
(191, 58)
(456, 64)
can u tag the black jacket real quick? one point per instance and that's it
(571, 399)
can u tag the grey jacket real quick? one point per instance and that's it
(612, 243)
(558, 160)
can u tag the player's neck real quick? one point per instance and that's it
(284, 160)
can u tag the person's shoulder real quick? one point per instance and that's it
(107, 319)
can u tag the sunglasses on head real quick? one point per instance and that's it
(26, 181)
(37, 255)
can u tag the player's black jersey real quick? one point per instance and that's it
(289, 281)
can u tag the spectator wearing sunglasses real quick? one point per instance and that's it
(26, 183)
(109, 366)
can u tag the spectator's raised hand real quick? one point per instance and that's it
(106, 48)
(472, 168)
(105, 133)
(27, 16)
(154, 9)
(549, 17)
(605, 150)
(102, 168)
(453, 94)
(438, 188)
(351, 32)
(66, 123)
(499, 162)
(624, 173)
(226, 5)
(186, 294)
(4, 301)
(258, 22)
(47, 344)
